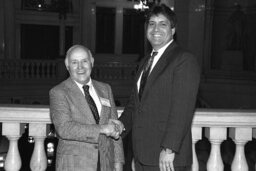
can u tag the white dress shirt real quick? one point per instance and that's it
(93, 93)
(156, 58)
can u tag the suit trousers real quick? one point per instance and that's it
(98, 163)
(140, 167)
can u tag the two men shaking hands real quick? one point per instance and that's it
(113, 129)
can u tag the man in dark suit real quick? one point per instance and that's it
(161, 108)
(85, 127)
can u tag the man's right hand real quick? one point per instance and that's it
(119, 125)
(110, 130)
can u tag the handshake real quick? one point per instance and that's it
(113, 129)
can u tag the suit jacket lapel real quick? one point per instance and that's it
(160, 66)
(79, 100)
(101, 94)
(142, 63)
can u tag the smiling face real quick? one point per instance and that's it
(79, 64)
(159, 31)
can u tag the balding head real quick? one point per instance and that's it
(72, 49)
(79, 63)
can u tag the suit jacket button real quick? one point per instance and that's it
(96, 146)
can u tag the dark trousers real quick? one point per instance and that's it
(98, 163)
(141, 167)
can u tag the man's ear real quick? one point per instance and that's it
(67, 67)
(66, 62)
(92, 61)
(173, 31)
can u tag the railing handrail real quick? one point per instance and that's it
(206, 117)
(203, 117)
(25, 114)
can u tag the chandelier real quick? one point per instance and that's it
(146, 4)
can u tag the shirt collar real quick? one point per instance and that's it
(81, 85)
(162, 49)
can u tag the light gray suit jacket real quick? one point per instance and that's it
(79, 135)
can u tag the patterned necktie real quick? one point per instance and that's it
(146, 71)
(91, 103)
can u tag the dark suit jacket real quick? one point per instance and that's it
(79, 137)
(163, 117)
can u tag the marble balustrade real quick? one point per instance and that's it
(55, 69)
(240, 125)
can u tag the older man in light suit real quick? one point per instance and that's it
(86, 143)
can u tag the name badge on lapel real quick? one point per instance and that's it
(105, 102)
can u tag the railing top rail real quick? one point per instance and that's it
(25, 113)
(225, 118)
(203, 117)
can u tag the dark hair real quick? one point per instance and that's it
(164, 10)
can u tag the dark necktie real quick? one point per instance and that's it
(91, 103)
(146, 71)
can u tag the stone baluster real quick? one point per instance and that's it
(254, 136)
(61, 69)
(25, 70)
(240, 136)
(21, 70)
(43, 70)
(32, 69)
(49, 71)
(13, 132)
(29, 73)
(37, 70)
(196, 135)
(17, 67)
(38, 160)
(46, 70)
(12, 70)
(215, 136)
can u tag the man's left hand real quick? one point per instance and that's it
(166, 160)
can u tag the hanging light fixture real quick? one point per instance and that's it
(146, 4)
